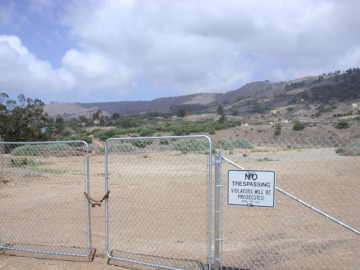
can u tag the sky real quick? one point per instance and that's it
(116, 50)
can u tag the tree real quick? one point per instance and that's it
(96, 116)
(102, 120)
(181, 113)
(22, 120)
(59, 123)
(220, 109)
(222, 119)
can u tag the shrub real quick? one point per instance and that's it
(82, 137)
(103, 135)
(227, 144)
(277, 131)
(179, 131)
(123, 147)
(33, 150)
(342, 125)
(298, 126)
(146, 132)
(243, 143)
(164, 142)
(191, 145)
(349, 150)
(164, 147)
(141, 143)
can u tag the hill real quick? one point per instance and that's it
(254, 98)
(194, 103)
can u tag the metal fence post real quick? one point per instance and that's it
(217, 257)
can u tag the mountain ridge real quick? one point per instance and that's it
(254, 97)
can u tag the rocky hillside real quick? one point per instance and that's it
(317, 93)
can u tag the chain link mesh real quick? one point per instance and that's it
(322, 172)
(158, 208)
(43, 208)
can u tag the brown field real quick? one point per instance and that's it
(157, 211)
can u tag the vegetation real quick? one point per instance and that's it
(141, 143)
(181, 113)
(123, 147)
(277, 130)
(23, 119)
(343, 114)
(349, 150)
(228, 144)
(33, 150)
(296, 85)
(342, 125)
(191, 145)
(298, 125)
(220, 109)
(147, 125)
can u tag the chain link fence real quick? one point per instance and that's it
(158, 213)
(316, 219)
(168, 206)
(43, 207)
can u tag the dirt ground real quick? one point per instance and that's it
(25, 260)
(148, 211)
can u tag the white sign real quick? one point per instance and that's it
(251, 188)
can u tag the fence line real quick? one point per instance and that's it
(43, 208)
(300, 201)
(321, 172)
(161, 211)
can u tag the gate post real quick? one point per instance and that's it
(218, 186)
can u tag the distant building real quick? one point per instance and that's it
(53, 130)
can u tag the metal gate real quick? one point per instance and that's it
(159, 210)
(43, 207)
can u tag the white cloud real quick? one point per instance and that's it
(22, 71)
(188, 46)
(94, 72)
(196, 45)
(156, 42)
(350, 59)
